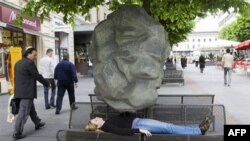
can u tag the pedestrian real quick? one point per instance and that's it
(202, 63)
(91, 69)
(227, 63)
(183, 62)
(65, 74)
(47, 71)
(130, 124)
(175, 60)
(25, 89)
(196, 59)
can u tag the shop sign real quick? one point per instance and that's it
(9, 16)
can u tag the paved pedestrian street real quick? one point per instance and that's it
(235, 98)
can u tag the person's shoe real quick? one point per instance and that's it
(228, 85)
(74, 107)
(18, 136)
(57, 112)
(204, 125)
(39, 125)
(53, 106)
(47, 107)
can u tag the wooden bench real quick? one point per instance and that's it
(178, 114)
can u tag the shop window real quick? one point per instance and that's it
(28, 40)
(6, 38)
(17, 38)
(62, 51)
(1, 63)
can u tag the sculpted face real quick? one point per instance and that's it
(128, 54)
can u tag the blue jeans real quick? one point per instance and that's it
(227, 75)
(158, 127)
(46, 93)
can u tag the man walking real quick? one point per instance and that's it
(65, 74)
(47, 71)
(26, 74)
(227, 63)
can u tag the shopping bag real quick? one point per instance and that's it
(14, 103)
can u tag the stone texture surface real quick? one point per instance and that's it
(128, 52)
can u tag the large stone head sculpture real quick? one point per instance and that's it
(128, 52)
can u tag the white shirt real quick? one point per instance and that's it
(47, 67)
(90, 63)
(227, 60)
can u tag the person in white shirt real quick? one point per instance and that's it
(90, 69)
(47, 71)
(227, 63)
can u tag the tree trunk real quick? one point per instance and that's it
(146, 6)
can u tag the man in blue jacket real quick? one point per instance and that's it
(65, 74)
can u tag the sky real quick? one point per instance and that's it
(210, 23)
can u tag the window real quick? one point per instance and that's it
(204, 40)
(28, 40)
(199, 40)
(210, 39)
(193, 40)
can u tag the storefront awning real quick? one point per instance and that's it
(85, 28)
(32, 32)
(243, 46)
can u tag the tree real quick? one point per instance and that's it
(239, 29)
(177, 16)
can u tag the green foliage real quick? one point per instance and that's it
(227, 32)
(238, 30)
(177, 16)
(211, 56)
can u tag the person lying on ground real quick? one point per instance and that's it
(128, 125)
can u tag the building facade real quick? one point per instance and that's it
(194, 42)
(83, 33)
(51, 33)
(32, 33)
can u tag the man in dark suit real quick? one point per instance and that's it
(26, 74)
(65, 74)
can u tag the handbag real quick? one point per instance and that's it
(14, 103)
